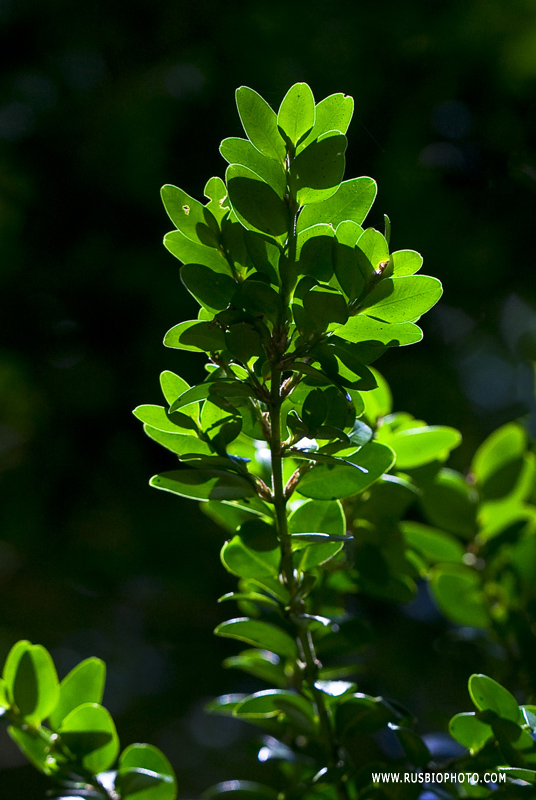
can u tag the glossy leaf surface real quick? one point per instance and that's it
(260, 123)
(83, 684)
(260, 634)
(204, 484)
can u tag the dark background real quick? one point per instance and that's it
(102, 103)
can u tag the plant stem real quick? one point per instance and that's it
(296, 608)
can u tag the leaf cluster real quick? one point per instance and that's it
(67, 734)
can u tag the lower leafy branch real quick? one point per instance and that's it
(296, 607)
(79, 746)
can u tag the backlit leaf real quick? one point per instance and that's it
(204, 484)
(147, 757)
(334, 113)
(329, 483)
(260, 123)
(362, 328)
(470, 731)
(191, 217)
(317, 172)
(213, 290)
(402, 299)
(255, 203)
(241, 151)
(297, 113)
(89, 733)
(459, 594)
(190, 252)
(260, 634)
(417, 446)
(352, 201)
(194, 335)
(83, 684)
(487, 694)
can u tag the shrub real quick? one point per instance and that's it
(292, 445)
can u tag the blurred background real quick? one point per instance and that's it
(101, 104)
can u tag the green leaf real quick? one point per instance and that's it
(262, 664)
(347, 270)
(315, 408)
(189, 252)
(257, 298)
(498, 461)
(329, 483)
(231, 515)
(314, 251)
(415, 447)
(450, 503)
(360, 713)
(317, 172)
(412, 744)
(301, 540)
(263, 253)
(211, 389)
(528, 775)
(259, 634)
(488, 695)
(469, 731)
(243, 342)
(11, 664)
(402, 299)
(4, 697)
(459, 595)
(341, 361)
(352, 201)
(348, 233)
(156, 417)
(325, 307)
(372, 253)
(241, 151)
(257, 206)
(297, 113)
(436, 546)
(83, 684)
(225, 704)
(366, 329)
(195, 335)
(216, 192)
(251, 598)
(314, 516)
(260, 123)
(143, 783)
(254, 552)
(35, 686)
(191, 217)
(204, 484)
(334, 113)
(36, 749)
(387, 224)
(405, 262)
(271, 702)
(316, 554)
(182, 446)
(89, 733)
(241, 790)
(151, 759)
(172, 385)
(213, 290)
